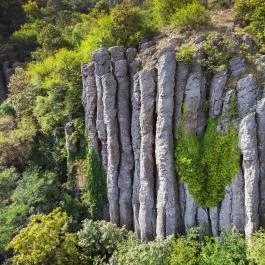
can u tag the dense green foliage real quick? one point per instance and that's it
(187, 17)
(185, 54)
(46, 240)
(202, 162)
(218, 49)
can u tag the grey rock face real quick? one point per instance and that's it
(260, 63)
(167, 212)
(247, 93)
(109, 85)
(126, 157)
(226, 110)
(237, 66)
(181, 80)
(136, 143)
(147, 200)
(238, 205)
(89, 99)
(190, 210)
(261, 148)
(214, 218)
(203, 222)
(132, 117)
(249, 149)
(194, 98)
(218, 84)
(225, 210)
(102, 65)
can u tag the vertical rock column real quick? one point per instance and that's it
(181, 80)
(110, 118)
(261, 145)
(146, 196)
(124, 118)
(195, 92)
(89, 99)
(136, 142)
(107, 124)
(249, 149)
(102, 64)
(135, 132)
(167, 210)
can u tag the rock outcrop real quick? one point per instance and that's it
(134, 107)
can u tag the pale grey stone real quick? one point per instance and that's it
(167, 204)
(147, 197)
(249, 150)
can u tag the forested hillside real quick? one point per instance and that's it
(132, 132)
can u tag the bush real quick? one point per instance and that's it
(190, 17)
(256, 248)
(46, 240)
(218, 50)
(251, 13)
(230, 249)
(95, 190)
(185, 54)
(162, 11)
(135, 253)
(100, 239)
(185, 250)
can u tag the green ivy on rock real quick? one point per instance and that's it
(208, 163)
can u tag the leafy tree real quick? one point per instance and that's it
(190, 17)
(127, 23)
(46, 240)
(162, 11)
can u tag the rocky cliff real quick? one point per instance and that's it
(134, 103)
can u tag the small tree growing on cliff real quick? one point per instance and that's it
(127, 23)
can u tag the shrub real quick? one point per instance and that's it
(230, 249)
(185, 54)
(127, 24)
(46, 240)
(162, 11)
(185, 250)
(251, 13)
(95, 190)
(190, 17)
(218, 50)
(100, 239)
(134, 253)
(256, 248)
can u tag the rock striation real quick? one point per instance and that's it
(133, 110)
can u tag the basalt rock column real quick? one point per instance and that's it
(195, 92)
(101, 60)
(126, 157)
(261, 146)
(134, 66)
(136, 142)
(109, 85)
(89, 99)
(147, 200)
(249, 149)
(167, 210)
